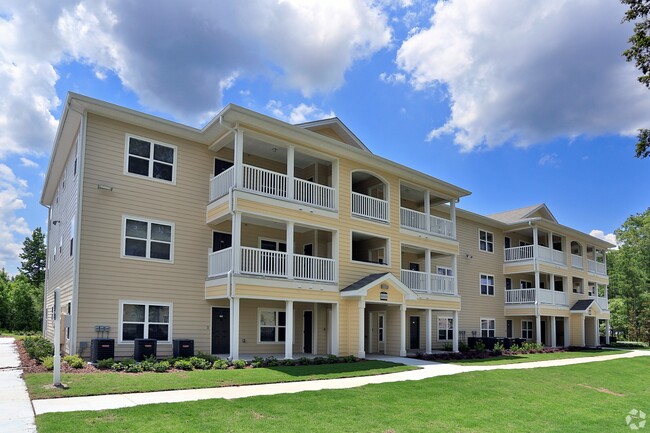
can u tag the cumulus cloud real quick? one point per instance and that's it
(609, 237)
(297, 114)
(28, 163)
(12, 227)
(523, 71)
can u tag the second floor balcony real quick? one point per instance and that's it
(428, 272)
(534, 296)
(527, 252)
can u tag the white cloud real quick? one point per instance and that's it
(550, 159)
(392, 78)
(28, 163)
(609, 237)
(13, 228)
(297, 114)
(523, 72)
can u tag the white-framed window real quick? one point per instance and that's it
(147, 239)
(272, 325)
(273, 245)
(445, 328)
(523, 284)
(527, 329)
(488, 327)
(145, 320)
(487, 284)
(443, 270)
(485, 241)
(150, 158)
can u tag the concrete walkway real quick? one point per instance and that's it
(427, 370)
(16, 413)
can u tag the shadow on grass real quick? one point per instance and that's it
(380, 367)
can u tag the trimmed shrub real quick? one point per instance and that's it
(304, 361)
(105, 364)
(74, 361)
(200, 363)
(350, 359)
(288, 362)
(48, 362)
(220, 364)
(161, 367)
(134, 368)
(239, 363)
(257, 362)
(207, 357)
(147, 365)
(270, 361)
(183, 364)
(447, 347)
(333, 359)
(38, 347)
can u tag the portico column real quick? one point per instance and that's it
(402, 330)
(538, 329)
(362, 329)
(567, 331)
(552, 287)
(454, 333)
(452, 205)
(290, 249)
(238, 158)
(553, 333)
(596, 332)
(607, 331)
(290, 170)
(427, 270)
(288, 337)
(334, 344)
(427, 211)
(427, 346)
(454, 267)
(236, 242)
(234, 328)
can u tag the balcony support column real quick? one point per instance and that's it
(427, 344)
(238, 159)
(362, 330)
(553, 332)
(538, 329)
(290, 227)
(334, 343)
(454, 333)
(607, 331)
(291, 152)
(454, 267)
(427, 270)
(452, 206)
(552, 287)
(402, 330)
(288, 336)
(427, 211)
(236, 242)
(234, 328)
(567, 331)
(596, 332)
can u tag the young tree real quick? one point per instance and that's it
(32, 263)
(24, 311)
(5, 283)
(639, 52)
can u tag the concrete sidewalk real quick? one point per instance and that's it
(16, 413)
(427, 370)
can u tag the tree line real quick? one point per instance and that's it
(21, 297)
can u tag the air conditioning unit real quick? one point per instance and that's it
(102, 348)
(144, 348)
(183, 348)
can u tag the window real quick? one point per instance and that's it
(65, 173)
(486, 241)
(508, 283)
(442, 270)
(445, 328)
(71, 234)
(523, 284)
(145, 320)
(147, 239)
(150, 159)
(272, 325)
(273, 245)
(527, 329)
(414, 266)
(507, 243)
(487, 284)
(488, 327)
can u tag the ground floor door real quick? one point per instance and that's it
(559, 332)
(307, 332)
(414, 332)
(220, 330)
(543, 331)
(508, 328)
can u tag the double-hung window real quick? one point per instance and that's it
(150, 159)
(272, 326)
(145, 320)
(148, 239)
(485, 241)
(445, 328)
(488, 327)
(487, 284)
(527, 329)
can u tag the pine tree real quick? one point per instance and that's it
(32, 263)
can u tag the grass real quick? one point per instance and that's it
(18, 335)
(579, 398)
(118, 383)
(531, 357)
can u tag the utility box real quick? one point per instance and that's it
(183, 348)
(102, 348)
(144, 348)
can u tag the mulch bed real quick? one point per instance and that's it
(30, 365)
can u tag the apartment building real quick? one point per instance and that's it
(253, 236)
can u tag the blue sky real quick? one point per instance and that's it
(520, 102)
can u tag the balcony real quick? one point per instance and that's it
(528, 296)
(415, 220)
(433, 284)
(369, 207)
(602, 303)
(266, 263)
(595, 267)
(276, 185)
(576, 261)
(527, 252)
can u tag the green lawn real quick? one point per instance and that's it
(581, 398)
(516, 359)
(117, 383)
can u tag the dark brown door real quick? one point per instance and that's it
(220, 330)
(415, 332)
(543, 332)
(307, 336)
(559, 332)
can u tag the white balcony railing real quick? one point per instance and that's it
(596, 267)
(417, 281)
(527, 252)
(602, 303)
(518, 253)
(576, 261)
(220, 184)
(528, 296)
(369, 207)
(553, 297)
(314, 268)
(520, 296)
(257, 261)
(273, 184)
(219, 262)
(413, 219)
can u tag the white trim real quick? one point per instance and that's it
(80, 156)
(486, 241)
(447, 327)
(149, 221)
(120, 323)
(277, 242)
(480, 283)
(528, 329)
(488, 328)
(277, 326)
(149, 176)
(447, 271)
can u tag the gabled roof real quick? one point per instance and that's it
(341, 132)
(368, 279)
(524, 213)
(582, 305)
(361, 287)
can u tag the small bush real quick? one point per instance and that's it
(447, 347)
(105, 364)
(134, 368)
(207, 357)
(147, 365)
(350, 359)
(480, 346)
(118, 366)
(48, 362)
(270, 361)
(463, 347)
(161, 367)
(38, 347)
(220, 364)
(200, 363)
(304, 361)
(498, 348)
(239, 363)
(333, 359)
(257, 362)
(128, 361)
(183, 364)
(288, 362)
(74, 361)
